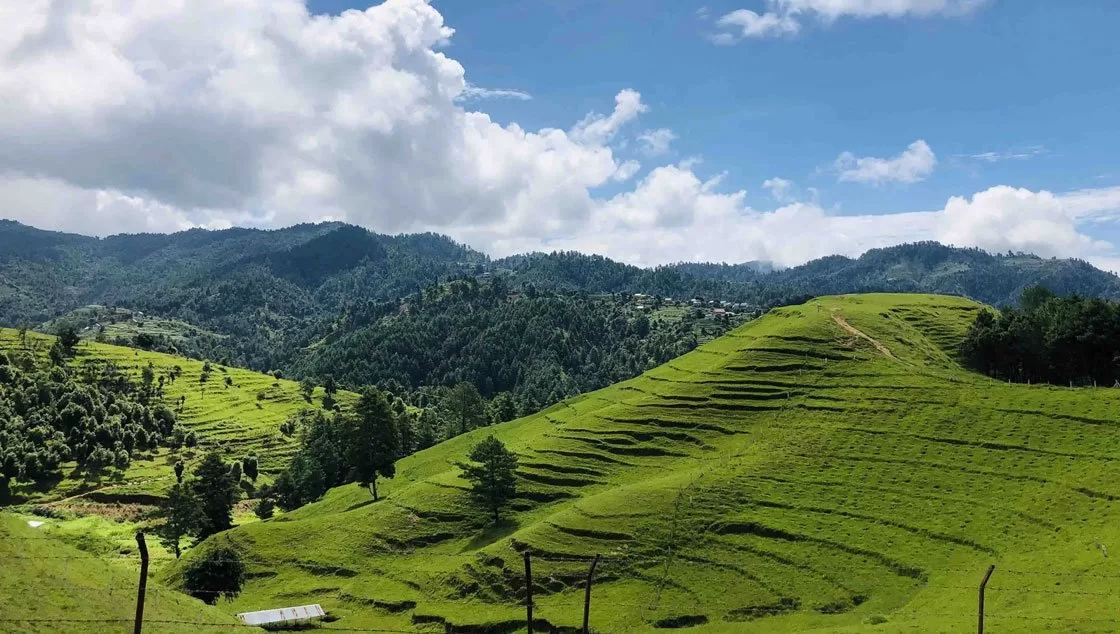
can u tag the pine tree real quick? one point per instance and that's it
(373, 439)
(493, 475)
(214, 485)
(181, 512)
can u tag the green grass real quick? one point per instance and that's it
(237, 420)
(50, 586)
(788, 477)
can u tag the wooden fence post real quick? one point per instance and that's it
(983, 584)
(528, 594)
(587, 595)
(143, 582)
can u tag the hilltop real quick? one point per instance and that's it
(828, 467)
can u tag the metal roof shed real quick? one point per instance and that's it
(282, 616)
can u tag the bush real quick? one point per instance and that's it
(217, 573)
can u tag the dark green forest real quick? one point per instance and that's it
(1048, 339)
(411, 311)
(540, 347)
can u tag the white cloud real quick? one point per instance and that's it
(1006, 218)
(477, 92)
(912, 165)
(674, 215)
(780, 189)
(785, 17)
(834, 9)
(1019, 154)
(744, 23)
(126, 116)
(258, 106)
(656, 142)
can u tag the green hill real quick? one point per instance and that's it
(240, 418)
(827, 468)
(49, 586)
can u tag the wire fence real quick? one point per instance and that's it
(1012, 583)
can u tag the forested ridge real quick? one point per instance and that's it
(542, 347)
(422, 310)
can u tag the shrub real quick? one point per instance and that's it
(217, 573)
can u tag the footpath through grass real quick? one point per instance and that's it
(826, 468)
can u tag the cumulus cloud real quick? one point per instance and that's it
(780, 189)
(744, 23)
(158, 116)
(258, 106)
(675, 215)
(785, 17)
(912, 165)
(656, 142)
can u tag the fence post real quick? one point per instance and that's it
(143, 582)
(587, 595)
(983, 584)
(528, 594)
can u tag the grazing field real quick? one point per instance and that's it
(827, 468)
(240, 418)
(51, 587)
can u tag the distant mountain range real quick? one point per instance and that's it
(275, 295)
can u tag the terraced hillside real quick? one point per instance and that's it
(241, 418)
(828, 467)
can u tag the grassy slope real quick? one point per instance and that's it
(790, 476)
(125, 323)
(44, 578)
(232, 419)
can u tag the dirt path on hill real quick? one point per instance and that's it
(859, 333)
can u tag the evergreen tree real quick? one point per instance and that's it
(465, 408)
(426, 428)
(215, 486)
(264, 508)
(307, 388)
(373, 440)
(493, 474)
(250, 468)
(182, 513)
(68, 337)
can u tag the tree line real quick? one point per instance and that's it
(1048, 339)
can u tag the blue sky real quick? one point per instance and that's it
(1012, 76)
(789, 129)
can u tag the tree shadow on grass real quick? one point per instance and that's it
(492, 533)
